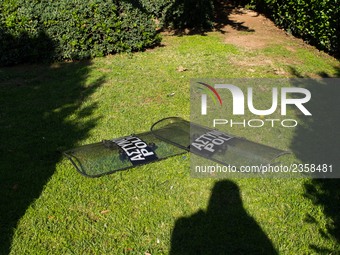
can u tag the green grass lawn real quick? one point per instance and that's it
(46, 207)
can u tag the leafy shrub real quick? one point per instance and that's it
(316, 21)
(179, 14)
(24, 47)
(74, 29)
(197, 14)
(157, 8)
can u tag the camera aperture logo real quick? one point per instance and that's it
(212, 93)
(295, 96)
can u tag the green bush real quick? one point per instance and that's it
(157, 8)
(33, 30)
(197, 14)
(180, 14)
(24, 47)
(316, 21)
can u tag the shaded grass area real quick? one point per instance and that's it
(50, 209)
(35, 104)
(324, 124)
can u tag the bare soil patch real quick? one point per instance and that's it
(251, 30)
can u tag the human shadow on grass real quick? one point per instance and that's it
(41, 115)
(317, 141)
(225, 228)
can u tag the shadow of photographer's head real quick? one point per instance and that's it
(225, 195)
(224, 228)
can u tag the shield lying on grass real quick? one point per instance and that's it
(168, 137)
(210, 143)
(109, 156)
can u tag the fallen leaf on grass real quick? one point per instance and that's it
(181, 69)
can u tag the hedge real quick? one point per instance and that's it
(44, 30)
(35, 30)
(316, 21)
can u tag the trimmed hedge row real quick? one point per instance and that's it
(316, 21)
(39, 30)
(35, 30)
(46, 30)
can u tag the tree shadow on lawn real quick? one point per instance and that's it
(35, 126)
(193, 17)
(225, 228)
(317, 140)
(222, 9)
